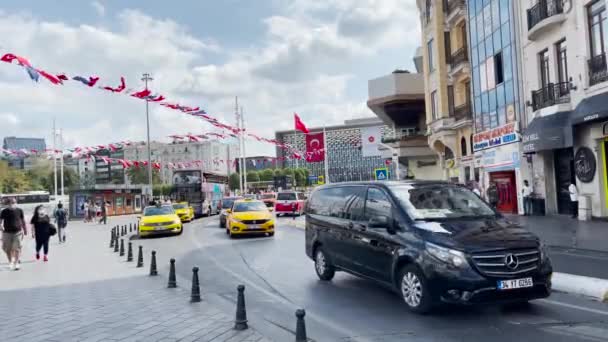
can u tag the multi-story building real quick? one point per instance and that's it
(342, 147)
(257, 163)
(28, 144)
(566, 90)
(447, 86)
(398, 100)
(109, 173)
(216, 157)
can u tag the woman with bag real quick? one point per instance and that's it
(42, 232)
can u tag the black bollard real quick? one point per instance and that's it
(130, 252)
(153, 271)
(130, 227)
(122, 247)
(301, 326)
(116, 243)
(112, 239)
(195, 295)
(124, 230)
(172, 281)
(140, 257)
(240, 322)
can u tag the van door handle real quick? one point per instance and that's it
(351, 225)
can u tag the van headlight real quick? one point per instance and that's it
(449, 256)
(543, 252)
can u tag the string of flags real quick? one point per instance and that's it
(145, 94)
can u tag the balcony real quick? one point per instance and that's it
(459, 57)
(552, 94)
(455, 5)
(411, 142)
(598, 71)
(462, 112)
(403, 136)
(454, 10)
(544, 15)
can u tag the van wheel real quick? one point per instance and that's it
(414, 290)
(325, 270)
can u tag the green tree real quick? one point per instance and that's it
(278, 172)
(13, 181)
(253, 176)
(267, 175)
(139, 175)
(300, 177)
(234, 181)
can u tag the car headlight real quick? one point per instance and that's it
(178, 221)
(449, 256)
(543, 252)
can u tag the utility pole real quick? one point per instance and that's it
(244, 152)
(61, 156)
(147, 78)
(239, 137)
(54, 153)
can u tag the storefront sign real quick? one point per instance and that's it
(500, 158)
(498, 136)
(584, 165)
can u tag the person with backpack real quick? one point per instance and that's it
(42, 231)
(61, 220)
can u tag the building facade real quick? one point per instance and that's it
(28, 144)
(566, 90)
(343, 149)
(447, 86)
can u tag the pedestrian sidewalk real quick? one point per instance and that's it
(87, 293)
(566, 232)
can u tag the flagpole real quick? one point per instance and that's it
(61, 148)
(244, 152)
(55, 158)
(239, 139)
(326, 147)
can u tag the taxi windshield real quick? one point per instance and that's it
(163, 210)
(249, 206)
(179, 206)
(267, 196)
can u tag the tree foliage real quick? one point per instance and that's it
(234, 181)
(253, 176)
(267, 175)
(139, 175)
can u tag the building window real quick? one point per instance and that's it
(434, 104)
(562, 61)
(471, 142)
(597, 19)
(498, 68)
(429, 49)
(543, 64)
(463, 146)
(429, 9)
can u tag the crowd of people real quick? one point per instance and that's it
(95, 212)
(12, 220)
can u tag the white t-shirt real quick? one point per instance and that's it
(573, 193)
(526, 191)
(477, 192)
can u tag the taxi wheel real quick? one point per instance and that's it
(271, 234)
(181, 230)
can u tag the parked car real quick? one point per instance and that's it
(248, 217)
(287, 201)
(225, 204)
(269, 198)
(431, 242)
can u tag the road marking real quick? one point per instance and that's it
(572, 306)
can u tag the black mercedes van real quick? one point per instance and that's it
(431, 242)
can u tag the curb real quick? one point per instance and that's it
(594, 288)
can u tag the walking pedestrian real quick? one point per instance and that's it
(13, 230)
(85, 207)
(573, 199)
(42, 231)
(61, 220)
(294, 207)
(492, 194)
(92, 211)
(104, 213)
(527, 193)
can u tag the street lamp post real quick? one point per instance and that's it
(146, 78)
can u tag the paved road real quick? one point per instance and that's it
(280, 278)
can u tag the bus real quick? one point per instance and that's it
(27, 198)
(202, 190)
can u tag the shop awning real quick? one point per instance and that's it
(548, 133)
(591, 109)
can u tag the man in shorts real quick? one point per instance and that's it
(13, 230)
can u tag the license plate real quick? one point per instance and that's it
(159, 228)
(515, 284)
(253, 226)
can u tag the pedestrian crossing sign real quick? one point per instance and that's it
(381, 174)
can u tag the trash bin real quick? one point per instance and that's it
(584, 207)
(538, 206)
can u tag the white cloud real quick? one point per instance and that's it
(99, 8)
(9, 119)
(298, 67)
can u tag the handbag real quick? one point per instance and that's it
(52, 229)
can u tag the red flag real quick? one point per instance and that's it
(141, 94)
(315, 145)
(52, 78)
(300, 126)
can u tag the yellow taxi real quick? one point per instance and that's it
(184, 211)
(248, 216)
(159, 219)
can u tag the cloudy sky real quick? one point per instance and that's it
(313, 57)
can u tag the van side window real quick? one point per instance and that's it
(355, 204)
(301, 196)
(377, 204)
(336, 202)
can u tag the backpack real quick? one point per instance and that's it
(61, 216)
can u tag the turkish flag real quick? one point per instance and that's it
(315, 148)
(300, 126)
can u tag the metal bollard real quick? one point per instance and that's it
(122, 247)
(172, 281)
(140, 257)
(195, 295)
(301, 326)
(240, 322)
(153, 271)
(130, 227)
(116, 243)
(130, 252)
(112, 239)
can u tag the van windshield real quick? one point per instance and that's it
(440, 201)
